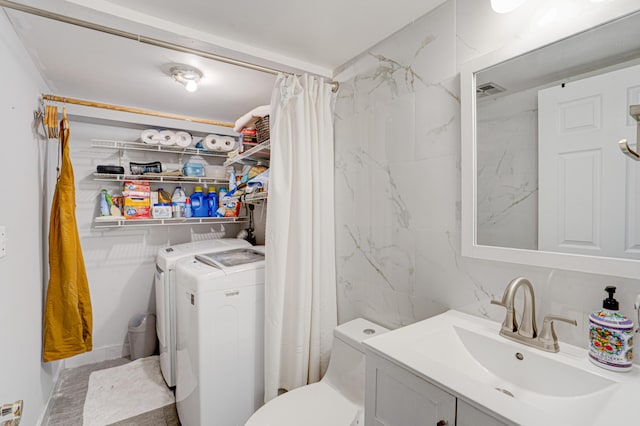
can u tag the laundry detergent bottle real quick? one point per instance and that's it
(163, 196)
(212, 201)
(178, 202)
(611, 336)
(199, 203)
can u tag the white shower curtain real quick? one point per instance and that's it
(300, 288)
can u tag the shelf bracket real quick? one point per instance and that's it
(121, 155)
(634, 112)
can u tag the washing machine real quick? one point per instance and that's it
(166, 260)
(220, 337)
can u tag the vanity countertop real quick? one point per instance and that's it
(466, 356)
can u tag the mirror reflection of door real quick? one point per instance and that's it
(589, 192)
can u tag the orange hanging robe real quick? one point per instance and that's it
(67, 317)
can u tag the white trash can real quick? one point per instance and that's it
(142, 336)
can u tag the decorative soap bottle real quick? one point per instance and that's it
(611, 336)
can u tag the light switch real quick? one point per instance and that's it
(3, 241)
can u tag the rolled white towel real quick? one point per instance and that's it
(167, 137)
(183, 139)
(251, 116)
(150, 136)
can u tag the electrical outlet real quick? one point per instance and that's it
(3, 241)
(11, 413)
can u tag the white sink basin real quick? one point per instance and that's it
(466, 356)
(505, 364)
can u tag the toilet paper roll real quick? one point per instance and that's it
(211, 143)
(227, 143)
(150, 136)
(167, 138)
(183, 139)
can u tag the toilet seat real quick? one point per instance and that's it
(317, 404)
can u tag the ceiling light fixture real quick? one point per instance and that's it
(188, 76)
(506, 6)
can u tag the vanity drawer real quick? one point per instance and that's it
(470, 416)
(396, 397)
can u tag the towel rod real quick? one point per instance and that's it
(143, 39)
(634, 112)
(54, 98)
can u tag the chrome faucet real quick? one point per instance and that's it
(526, 332)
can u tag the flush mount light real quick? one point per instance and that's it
(506, 6)
(188, 76)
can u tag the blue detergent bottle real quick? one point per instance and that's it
(212, 202)
(199, 204)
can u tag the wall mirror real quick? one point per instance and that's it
(544, 179)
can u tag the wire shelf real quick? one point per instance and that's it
(256, 198)
(141, 146)
(154, 178)
(121, 222)
(259, 152)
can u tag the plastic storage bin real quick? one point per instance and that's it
(193, 169)
(142, 336)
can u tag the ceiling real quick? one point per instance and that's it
(288, 35)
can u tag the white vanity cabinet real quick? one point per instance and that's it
(394, 396)
(455, 369)
(467, 415)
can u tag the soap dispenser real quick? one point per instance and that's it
(610, 336)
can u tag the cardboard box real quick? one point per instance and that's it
(136, 188)
(161, 212)
(137, 208)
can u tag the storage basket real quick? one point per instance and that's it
(262, 129)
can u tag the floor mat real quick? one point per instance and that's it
(126, 391)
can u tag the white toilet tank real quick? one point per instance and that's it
(346, 366)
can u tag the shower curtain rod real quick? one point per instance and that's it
(146, 40)
(54, 98)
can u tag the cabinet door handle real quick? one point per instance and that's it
(442, 423)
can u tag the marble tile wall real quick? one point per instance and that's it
(396, 127)
(398, 179)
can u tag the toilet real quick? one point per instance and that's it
(337, 399)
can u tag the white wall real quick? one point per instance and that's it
(120, 262)
(398, 173)
(23, 171)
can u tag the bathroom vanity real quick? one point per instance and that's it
(396, 396)
(455, 369)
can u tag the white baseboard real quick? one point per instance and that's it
(57, 367)
(98, 355)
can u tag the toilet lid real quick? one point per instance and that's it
(314, 405)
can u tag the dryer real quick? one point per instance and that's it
(220, 337)
(165, 290)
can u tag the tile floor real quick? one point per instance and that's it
(67, 402)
